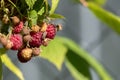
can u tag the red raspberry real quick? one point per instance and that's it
(51, 31)
(36, 39)
(24, 55)
(17, 41)
(18, 28)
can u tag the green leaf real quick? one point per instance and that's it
(2, 51)
(54, 6)
(88, 58)
(33, 17)
(8, 63)
(77, 75)
(98, 2)
(55, 52)
(57, 16)
(110, 19)
(30, 3)
(79, 64)
(38, 5)
(41, 11)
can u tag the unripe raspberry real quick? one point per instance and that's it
(15, 20)
(51, 31)
(35, 28)
(18, 28)
(36, 39)
(16, 39)
(24, 55)
(36, 51)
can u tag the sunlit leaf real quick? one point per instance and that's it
(75, 73)
(89, 59)
(8, 63)
(30, 3)
(54, 6)
(41, 11)
(98, 2)
(57, 16)
(33, 17)
(55, 52)
(110, 19)
(2, 51)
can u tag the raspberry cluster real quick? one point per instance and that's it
(27, 40)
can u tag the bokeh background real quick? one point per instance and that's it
(86, 30)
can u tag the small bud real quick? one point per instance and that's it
(46, 41)
(35, 28)
(27, 38)
(26, 31)
(6, 10)
(5, 19)
(15, 20)
(9, 44)
(44, 27)
(36, 51)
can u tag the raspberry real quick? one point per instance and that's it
(24, 55)
(17, 41)
(36, 39)
(18, 28)
(51, 31)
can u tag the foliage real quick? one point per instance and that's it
(61, 49)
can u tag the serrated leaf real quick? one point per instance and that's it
(41, 11)
(33, 17)
(107, 17)
(54, 15)
(8, 63)
(88, 58)
(54, 6)
(30, 3)
(55, 52)
(75, 73)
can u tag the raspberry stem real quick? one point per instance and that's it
(16, 7)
